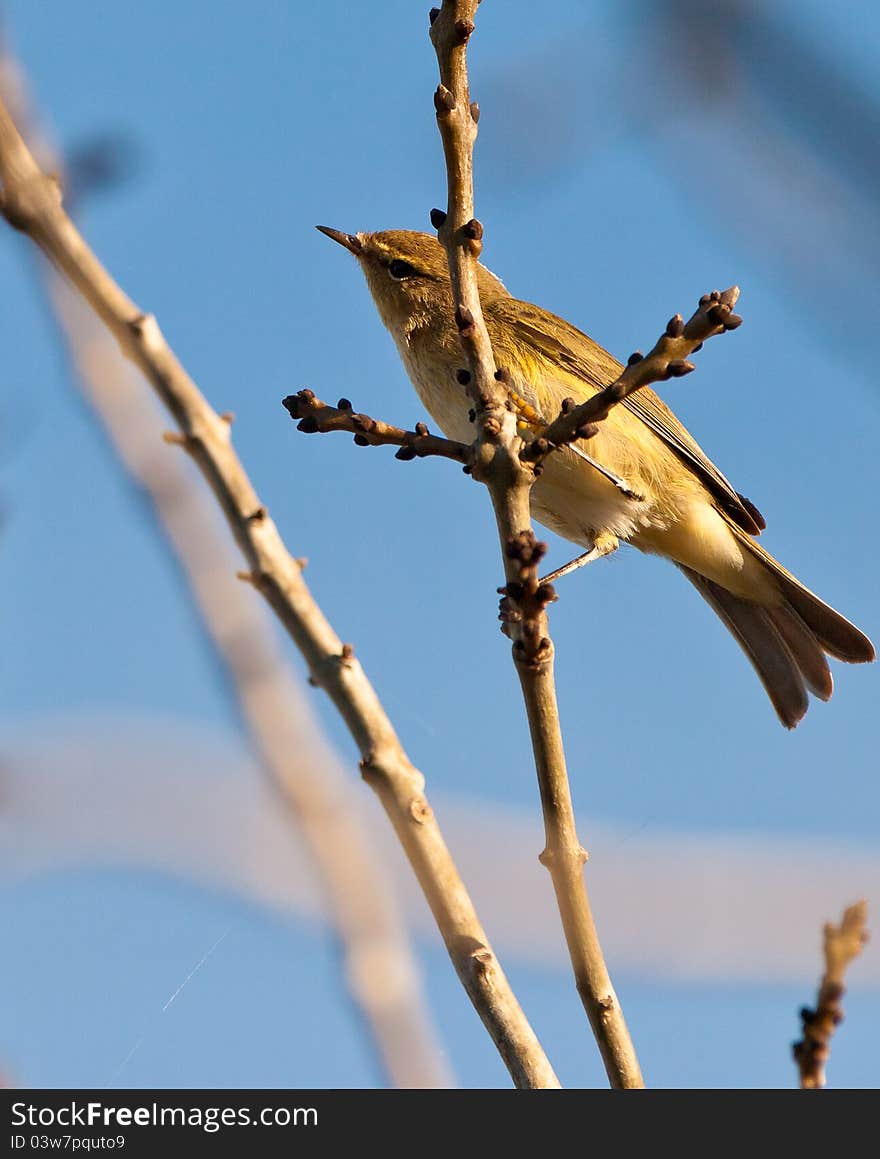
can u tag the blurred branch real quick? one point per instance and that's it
(381, 972)
(509, 477)
(841, 945)
(32, 203)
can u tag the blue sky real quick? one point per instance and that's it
(246, 131)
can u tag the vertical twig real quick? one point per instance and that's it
(509, 479)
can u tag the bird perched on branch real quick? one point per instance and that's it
(644, 479)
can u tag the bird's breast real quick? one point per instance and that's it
(431, 368)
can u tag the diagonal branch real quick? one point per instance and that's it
(841, 944)
(667, 359)
(509, 478)
(351, 874)
(32, 203)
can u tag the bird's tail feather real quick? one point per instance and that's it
(786, 642)
(754, 629)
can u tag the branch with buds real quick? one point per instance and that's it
(524, 600)
(316, 417)
(668, 359)
(841, 944)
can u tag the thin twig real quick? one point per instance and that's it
(32, 203)
(509, 478)
(316, 417)
(668, 359)
(841, 944)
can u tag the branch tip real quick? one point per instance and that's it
(841, 944)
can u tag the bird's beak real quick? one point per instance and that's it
(349, 240)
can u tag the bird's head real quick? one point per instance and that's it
(408, 276)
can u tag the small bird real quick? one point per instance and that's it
(642, 479)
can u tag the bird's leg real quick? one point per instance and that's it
(620, 484)
(530, 420)
(603, 544)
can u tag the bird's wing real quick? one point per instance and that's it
(596, 368)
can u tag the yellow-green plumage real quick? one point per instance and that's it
(689, 512)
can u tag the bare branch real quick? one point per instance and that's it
(668, 359)
(316, 417)
(841, 945)
(509, 478)
(32, 203)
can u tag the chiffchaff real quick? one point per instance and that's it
(685, 509)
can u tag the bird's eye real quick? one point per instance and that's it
(400, 269)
